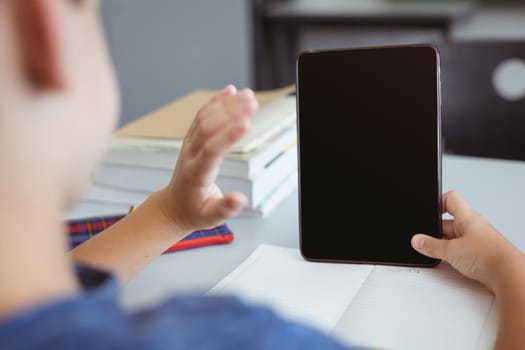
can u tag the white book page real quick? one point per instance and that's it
(489, 333)
(419, 308)
(267, 122)
(313, 293)
(383, 307)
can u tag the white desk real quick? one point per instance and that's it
(496, 188)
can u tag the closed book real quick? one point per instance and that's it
(102, 199)
(148, 179)
(168, 125)
(274, 198)
(144, 153)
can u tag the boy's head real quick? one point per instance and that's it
(58, 98)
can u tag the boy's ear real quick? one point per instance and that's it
(37, 24)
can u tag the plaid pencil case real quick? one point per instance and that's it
(80, 230)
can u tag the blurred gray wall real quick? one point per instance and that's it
(163, 49)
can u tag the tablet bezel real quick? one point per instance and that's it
(425, 261)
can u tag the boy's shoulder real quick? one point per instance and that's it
(95, 320)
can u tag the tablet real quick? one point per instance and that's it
(369, 153)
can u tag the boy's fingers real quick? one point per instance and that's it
(209, 155)
(454, 204)
(233, 111)
(218, 210)
(447, 226)
(212, 151)
(242, 104)
(248, 101)
(217, 115)
(228, 90)
(430, 246)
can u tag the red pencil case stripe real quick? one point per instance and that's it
(80, 230)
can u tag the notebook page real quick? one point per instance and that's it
(312, 293)
(489, 332)
(417, 308)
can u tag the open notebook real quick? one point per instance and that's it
(376, 306)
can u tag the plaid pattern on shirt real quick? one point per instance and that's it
(80, 230)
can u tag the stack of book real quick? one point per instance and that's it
(262, 165)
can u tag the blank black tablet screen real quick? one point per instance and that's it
(369, 153)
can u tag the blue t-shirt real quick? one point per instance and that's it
(94, 320)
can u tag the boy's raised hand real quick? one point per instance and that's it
(192, 199)
(190, 202)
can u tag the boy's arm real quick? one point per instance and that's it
(132, 242)
(477, 250)
(191, 201)
(510, 292)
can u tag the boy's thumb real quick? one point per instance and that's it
(429, 246)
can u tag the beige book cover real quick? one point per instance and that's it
(172, 121)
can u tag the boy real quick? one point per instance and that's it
(58, 108)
